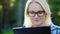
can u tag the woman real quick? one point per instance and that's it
(37, 13)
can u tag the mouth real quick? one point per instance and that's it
(35, 20)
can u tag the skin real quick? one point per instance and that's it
(36, 20)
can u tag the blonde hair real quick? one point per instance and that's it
(27, 20)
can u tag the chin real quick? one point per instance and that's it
(37, 23)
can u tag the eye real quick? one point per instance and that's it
(31, 12)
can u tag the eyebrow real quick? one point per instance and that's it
(38, 10)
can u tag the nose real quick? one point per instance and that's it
(36, 16)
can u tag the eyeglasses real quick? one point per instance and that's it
(39, 13)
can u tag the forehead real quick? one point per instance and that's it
(35, 7)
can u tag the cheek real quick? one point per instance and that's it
(31, 18)
(42, 19)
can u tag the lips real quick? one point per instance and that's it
(35, 20)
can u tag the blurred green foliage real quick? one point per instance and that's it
(55, 9)
(9, 14)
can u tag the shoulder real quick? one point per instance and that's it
(17, 27)
(55, 27)
(58, 27)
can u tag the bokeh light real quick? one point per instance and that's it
(13, 0)
(11, 4)
(0, 6)
(58, 13)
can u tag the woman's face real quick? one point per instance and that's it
(36, 14)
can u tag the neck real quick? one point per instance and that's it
(43, 24)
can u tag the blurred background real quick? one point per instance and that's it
(12, 14)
